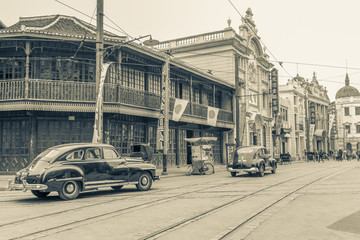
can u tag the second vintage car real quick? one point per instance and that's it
(252, 159)
(73, 168)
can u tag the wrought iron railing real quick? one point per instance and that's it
(54, 90)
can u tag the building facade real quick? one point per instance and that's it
(346, 130)
(307, 128)
(48, 93)
(240, 59)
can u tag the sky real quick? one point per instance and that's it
(307, 36)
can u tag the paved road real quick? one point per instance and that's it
(300, 201)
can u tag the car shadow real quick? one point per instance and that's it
(246, 175)
(54, 197)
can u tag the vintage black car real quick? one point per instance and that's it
(252, 159)
(73, 168)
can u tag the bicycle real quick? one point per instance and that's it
(203, 167)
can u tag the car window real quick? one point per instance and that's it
(93, 153)
(110, 153)
(76, 155)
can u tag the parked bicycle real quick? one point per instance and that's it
(202, 155)
(202, 167)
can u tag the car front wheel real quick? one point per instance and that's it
(145, 182)
(40, 194)
(261, 171)
(69, 190)
(233, 174)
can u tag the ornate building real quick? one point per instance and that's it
(307, 126)
(346, 133)
(240, 59)
(47, 93)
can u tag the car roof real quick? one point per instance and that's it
(69, 146)
(252, 147)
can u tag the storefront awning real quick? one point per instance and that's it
(320, 133)
(287, 135)
(257, 119)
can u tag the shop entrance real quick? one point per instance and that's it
(189, 134)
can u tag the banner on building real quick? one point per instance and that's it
(331, 122)
(98, 125)
(212, 115)
(179, 108)
(312, 113)
(275, 90)
(163, 120)
(312, 132)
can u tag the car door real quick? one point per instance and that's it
(118, 170)
(94, 166)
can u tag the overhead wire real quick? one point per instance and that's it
(86, 15)
(259, 39)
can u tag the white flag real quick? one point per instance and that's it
(179, 108)
(212, 115)
(98, 125)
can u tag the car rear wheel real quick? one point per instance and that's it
(189, 170)
(233, 174)
(274, 168)
(39, 194)
(69, 190)
(261, 171)
(145, 182)
(117, 187)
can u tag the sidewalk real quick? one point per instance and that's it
(172, 171)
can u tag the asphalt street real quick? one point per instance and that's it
(300, 201)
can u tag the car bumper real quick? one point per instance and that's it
(25, 186)
(250, 170)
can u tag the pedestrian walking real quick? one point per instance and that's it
(348, 155)
(321, 155)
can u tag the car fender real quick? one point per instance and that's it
(55, 177)
(259, 162)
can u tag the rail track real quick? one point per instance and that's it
(195, 188)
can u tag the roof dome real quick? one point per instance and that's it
(347, 91)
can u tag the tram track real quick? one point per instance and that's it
(64, 227)
(228, 232)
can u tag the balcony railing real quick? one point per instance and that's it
(66, 91)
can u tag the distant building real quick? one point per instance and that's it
(307, 126)
(347, 104)
(240, 59)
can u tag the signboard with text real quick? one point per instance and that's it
(275, 90)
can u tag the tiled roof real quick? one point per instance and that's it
(59, 25)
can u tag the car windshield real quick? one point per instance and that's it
(245, 153)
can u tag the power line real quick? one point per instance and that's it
(86, 15)
(259, 38)
(119, 27)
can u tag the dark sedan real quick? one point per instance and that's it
(251, 159)
(73, 168)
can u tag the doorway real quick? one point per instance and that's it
(189, 134)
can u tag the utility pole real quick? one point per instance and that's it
(99, 63)
(237, 99)
(307, 125)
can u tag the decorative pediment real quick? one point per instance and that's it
(58, 25)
